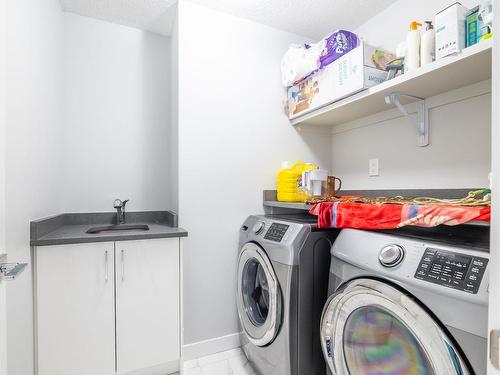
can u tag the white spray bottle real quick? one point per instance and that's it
(412, 58)
(428, 45)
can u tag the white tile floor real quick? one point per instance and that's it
(232, 362)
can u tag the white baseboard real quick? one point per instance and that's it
(165, 368)
(211, 346)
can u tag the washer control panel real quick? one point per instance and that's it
(276, 232)
(453, 270)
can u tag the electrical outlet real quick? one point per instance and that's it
(373, 167)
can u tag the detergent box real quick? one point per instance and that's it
(349, 74)
(474, 27)
(450, 30)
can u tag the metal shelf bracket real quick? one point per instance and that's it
(9, 271)
(422, 123)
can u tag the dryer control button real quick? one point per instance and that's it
(391, 255)
(258, 227)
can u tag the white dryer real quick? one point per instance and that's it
(407, 302)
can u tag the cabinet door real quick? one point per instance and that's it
(75, 309)
(147, 306)
(3, 330)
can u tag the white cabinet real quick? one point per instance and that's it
(75, 309)
(108, 308)
(147, 306)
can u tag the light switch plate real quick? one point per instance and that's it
(373, 167)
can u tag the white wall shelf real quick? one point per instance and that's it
(470, 66)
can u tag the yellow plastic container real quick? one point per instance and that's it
(289, 182)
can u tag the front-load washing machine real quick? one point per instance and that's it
(407, 302)
(282, 285)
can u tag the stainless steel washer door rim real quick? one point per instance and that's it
(258, 295)
(370, 327)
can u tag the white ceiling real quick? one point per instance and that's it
(310, 18)
(151, 15)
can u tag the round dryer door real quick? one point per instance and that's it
(369, 327)
(259, 296)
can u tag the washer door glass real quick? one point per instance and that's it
(258, 296)
(376, 342)
(369, 327)
(255, 291)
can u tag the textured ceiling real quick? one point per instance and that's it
(311, 18)
(152, 15)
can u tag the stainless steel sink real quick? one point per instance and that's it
(118, 228)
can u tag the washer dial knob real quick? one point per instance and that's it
(258, 227)
(391, 255)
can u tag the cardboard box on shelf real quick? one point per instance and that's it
(450, 30)
(375, 57)
(355, 71)
(474, 27)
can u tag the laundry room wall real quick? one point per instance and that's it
(3, 126)
(494, 286)
(116, 116)
(32, 156)
(231, 144)
(459, 153)
(174, 114)
(3, 306)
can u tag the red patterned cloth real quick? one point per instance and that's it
(392, 216)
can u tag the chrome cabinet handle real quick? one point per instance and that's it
(123, 265)
(106, 266)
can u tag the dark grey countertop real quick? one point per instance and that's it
(71, 228)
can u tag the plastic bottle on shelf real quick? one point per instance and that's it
(428, 44)
(401, 50)
(412, 58)
(289, 182)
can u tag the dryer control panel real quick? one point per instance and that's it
(453, 270)
(276, 232)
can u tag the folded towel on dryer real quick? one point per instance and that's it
(392, 216)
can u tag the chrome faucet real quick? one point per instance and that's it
(120, 210)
